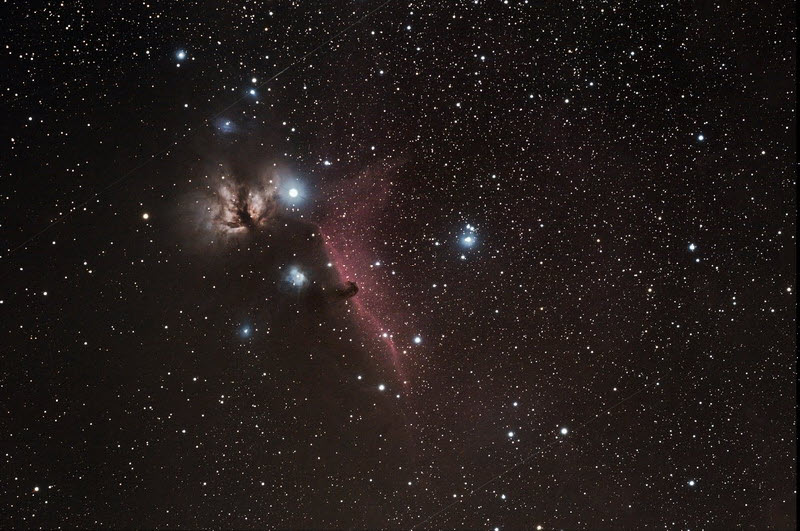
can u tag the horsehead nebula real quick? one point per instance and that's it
(350, 232)
(240, 205)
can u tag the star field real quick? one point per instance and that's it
(398, 265)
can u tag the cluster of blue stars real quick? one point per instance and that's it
(468, 238)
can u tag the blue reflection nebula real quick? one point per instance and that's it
(225, 125)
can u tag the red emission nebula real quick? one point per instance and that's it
(350, 233)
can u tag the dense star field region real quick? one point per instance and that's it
(390, 264)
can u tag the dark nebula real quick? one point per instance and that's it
(398, 265)
(347, 291)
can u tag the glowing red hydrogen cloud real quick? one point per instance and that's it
(350, 233)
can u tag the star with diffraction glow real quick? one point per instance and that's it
(292, 192)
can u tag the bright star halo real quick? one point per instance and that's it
(292, 192)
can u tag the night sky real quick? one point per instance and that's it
(398, 264)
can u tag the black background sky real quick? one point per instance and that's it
(615, 349)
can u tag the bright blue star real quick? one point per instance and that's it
(181, 55)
